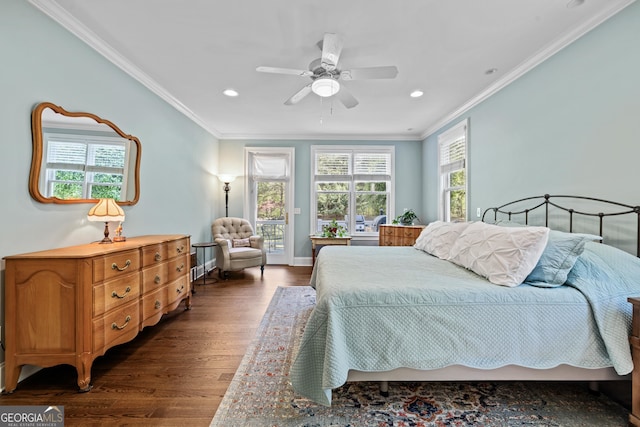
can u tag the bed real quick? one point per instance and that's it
(403, 313)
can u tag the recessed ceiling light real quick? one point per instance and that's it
(491, 71)
(230, 92)
(416, 93)
(575, 3)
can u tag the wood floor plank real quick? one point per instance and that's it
(174, 373)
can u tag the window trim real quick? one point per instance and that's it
(351, 179)
(447, 137)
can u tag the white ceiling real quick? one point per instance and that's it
(189, 51)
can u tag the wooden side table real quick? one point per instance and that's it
(326, 241)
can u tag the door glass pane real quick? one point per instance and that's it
(270, 221)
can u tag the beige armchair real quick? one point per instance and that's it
(237, 245)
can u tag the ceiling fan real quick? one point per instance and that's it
(326, 76)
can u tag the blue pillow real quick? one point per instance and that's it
(558, 258)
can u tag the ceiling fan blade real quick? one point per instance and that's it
(346, 98)
(386, 72)
(275, 70)
(331, 49)
(297, 97)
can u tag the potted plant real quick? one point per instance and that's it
(333, 229)
(406, 218)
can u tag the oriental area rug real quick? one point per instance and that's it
(260, 393)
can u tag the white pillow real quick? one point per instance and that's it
(438, 237)
(504, 255)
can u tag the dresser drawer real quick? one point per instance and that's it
(386, 230)
(119, 264)
(154, 254)
(117, 326)
(178, 267)
(154, 277)
(177, 290)
(152, 307)
(178, 247)
(115, 292)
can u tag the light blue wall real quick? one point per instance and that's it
(43, 62)
(568, 126)
(408, 178)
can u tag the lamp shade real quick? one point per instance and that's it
(226, 178)
(106, 210)
(325, 86)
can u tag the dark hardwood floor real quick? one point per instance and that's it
(172, 374)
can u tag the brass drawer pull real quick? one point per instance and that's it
(114, 294)
(157, 279)
(157, 305)
(126, 322)
(114, 266)
(180, 289)
(158, 257)
(180, 249)
(179, 269)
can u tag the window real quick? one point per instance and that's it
(352, 185)
(452, 166)
(85, 167)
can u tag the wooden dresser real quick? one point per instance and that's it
(70, 305)
(398, 235)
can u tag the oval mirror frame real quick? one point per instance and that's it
(38, 150)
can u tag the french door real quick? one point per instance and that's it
(269, 199)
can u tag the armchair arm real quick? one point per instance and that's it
(223, 261)
(256, 242)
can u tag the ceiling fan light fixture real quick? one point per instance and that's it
(325, 86)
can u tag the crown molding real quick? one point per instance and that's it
(565, 40)
(324, 137)
(56, 12)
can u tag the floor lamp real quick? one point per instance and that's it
(226, 179)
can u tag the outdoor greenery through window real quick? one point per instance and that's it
(352, 186)
(81, 167)
(452, 164)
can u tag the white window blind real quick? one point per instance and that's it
(453, 151)
(269, 167)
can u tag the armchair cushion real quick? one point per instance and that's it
(241, 243)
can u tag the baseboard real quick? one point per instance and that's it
(302, 262)
(198, 271)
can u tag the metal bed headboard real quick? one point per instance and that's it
(621, 209)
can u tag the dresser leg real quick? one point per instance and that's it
(84, 374)
(12, 373)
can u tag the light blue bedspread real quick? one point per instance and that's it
(437, 314)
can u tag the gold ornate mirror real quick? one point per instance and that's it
(80, 158)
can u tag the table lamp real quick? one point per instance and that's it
(106, 210)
